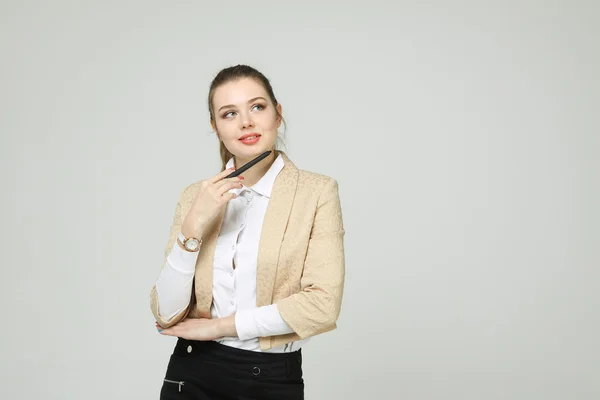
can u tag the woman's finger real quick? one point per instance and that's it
(228, 197)
(172, 331)
(227, 187)
(220, 175)
(223, 182)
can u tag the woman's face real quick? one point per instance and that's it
(245, 118)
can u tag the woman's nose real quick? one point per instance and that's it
(246, 120)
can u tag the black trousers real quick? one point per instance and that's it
(209, 370)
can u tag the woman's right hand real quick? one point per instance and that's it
(213, 195)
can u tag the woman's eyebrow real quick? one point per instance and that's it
(249, 101)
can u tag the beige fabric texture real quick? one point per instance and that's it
(301, 261)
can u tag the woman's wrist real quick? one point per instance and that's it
(226, 326)
(196, 231)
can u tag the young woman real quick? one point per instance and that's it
(254, 265)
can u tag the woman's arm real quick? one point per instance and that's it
(170, 296)
(257, 322)
(316, 307)
(174, 285)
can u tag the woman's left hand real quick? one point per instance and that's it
(193, 329)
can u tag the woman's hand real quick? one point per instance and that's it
(212, 196)
(203, 329)
(193, 329)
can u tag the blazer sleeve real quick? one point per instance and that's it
(175, 228)
(316, 307)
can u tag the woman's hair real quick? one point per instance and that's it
(231, 74)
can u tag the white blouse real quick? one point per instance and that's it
(234, 270)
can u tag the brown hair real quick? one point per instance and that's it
(234, 73)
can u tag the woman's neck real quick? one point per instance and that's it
(257, 171)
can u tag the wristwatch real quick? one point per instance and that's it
(190, 244)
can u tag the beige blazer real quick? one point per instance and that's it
(301, 263)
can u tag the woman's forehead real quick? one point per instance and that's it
(238, 91)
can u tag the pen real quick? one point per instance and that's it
(248, 165)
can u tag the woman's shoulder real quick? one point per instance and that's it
(310, 179)
(317, 184)
(314, 178)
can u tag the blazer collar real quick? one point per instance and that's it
(274, 225)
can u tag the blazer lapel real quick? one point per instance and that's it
(203, 280)
(274, 225)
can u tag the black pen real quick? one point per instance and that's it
(248, 165)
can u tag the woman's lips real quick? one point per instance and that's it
(250, 139)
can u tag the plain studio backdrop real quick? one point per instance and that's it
(464, 136)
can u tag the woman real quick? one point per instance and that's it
(254, 265)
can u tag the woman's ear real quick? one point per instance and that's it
(214, 127)
(279, 112)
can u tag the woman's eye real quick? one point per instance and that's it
(227, 115)
(258, 107)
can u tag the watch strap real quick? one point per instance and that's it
(181, 237)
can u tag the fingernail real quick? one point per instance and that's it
(160, 330)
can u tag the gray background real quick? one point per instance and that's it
(464, 136)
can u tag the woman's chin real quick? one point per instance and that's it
(251, 152)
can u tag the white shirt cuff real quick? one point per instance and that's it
(259, 322)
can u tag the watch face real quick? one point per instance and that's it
(191, 244)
